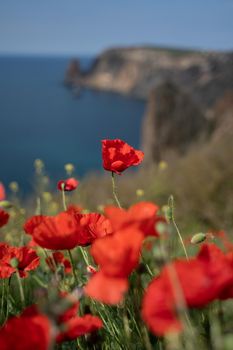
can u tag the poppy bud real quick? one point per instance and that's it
(6, 204)
(168, 214)
(198, 238)
(67, 185)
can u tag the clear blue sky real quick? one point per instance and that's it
(73, 27)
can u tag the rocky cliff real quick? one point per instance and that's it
(136, 71)
(182, 88)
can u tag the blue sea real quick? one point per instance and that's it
(41, 118)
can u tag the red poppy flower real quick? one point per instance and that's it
(4, 217)
(118, 155)
(72, 325)
(72, 307)
(31, 330)
(6, 270)
(211, 278)
(2, 192)
(107, 289)
(68, 184)
(58, 258)
(158, 309)
(26, 260)
(67, 229)
(54, 232)
(117, 256)
(227, 293)
(142, 216)
(77, 326)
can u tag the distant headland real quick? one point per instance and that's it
(189, 92)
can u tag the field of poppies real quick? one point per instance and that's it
(117, 278)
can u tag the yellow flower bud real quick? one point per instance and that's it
(163, 165)
(140, 192)
(69, 168)
(14, 187)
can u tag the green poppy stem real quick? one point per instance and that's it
(114, 191)
(172, 218)
(84, 255)
(63, 197)
(21, 292)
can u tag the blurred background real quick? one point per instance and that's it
(157, 74)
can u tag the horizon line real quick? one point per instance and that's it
(111, 47)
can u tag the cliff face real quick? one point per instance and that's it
(182, 89)
(173, 122)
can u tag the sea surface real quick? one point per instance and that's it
(41, 118)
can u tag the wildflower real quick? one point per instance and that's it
(6, 270)
(67, 185)
(4, 217)
(67, 229)
(17, 259)
(57, 232)
(211, 278)
(117, 155)
(107, 289)
(73, 326)
(78, 326)
(30, 330)
(117, 256)
(142, 216)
